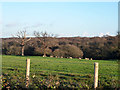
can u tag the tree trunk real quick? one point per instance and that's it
(44, 47)
(23, 50)
(44, 52)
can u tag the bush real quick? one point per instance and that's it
(11, 49)
(59, 53)
(68, 51)
(29, 50)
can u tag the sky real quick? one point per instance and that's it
(66, 19)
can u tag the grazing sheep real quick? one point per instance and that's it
(80, 58)
(87, 58)
(51, 56)
(91, 59)
(61, 57)
(44, 55)
(70, 57)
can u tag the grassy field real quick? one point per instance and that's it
(58, 73)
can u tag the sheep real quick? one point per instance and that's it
(51, 56)
(91, 59)
(61, 57)
(87, 58)
(44, 55)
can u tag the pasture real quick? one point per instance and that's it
(57, 73)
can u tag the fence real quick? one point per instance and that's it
(36, 70)
(28, 73)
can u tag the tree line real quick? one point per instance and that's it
(45, 44)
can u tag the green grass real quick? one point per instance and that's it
(64, 70)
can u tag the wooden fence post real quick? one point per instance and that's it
(27, 72)
(95, 75)
(0, 81)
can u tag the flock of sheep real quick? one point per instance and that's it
(71, 57)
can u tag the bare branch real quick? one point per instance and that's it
(22, 36)
(37, 34)
(44, 37)
(28, 40)
(17, 41)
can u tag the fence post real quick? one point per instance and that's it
(95, 75)
(27, 72)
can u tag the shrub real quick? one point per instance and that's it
(59, 53)
(68, 51)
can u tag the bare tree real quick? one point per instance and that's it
(22, 39)
(44, 37)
